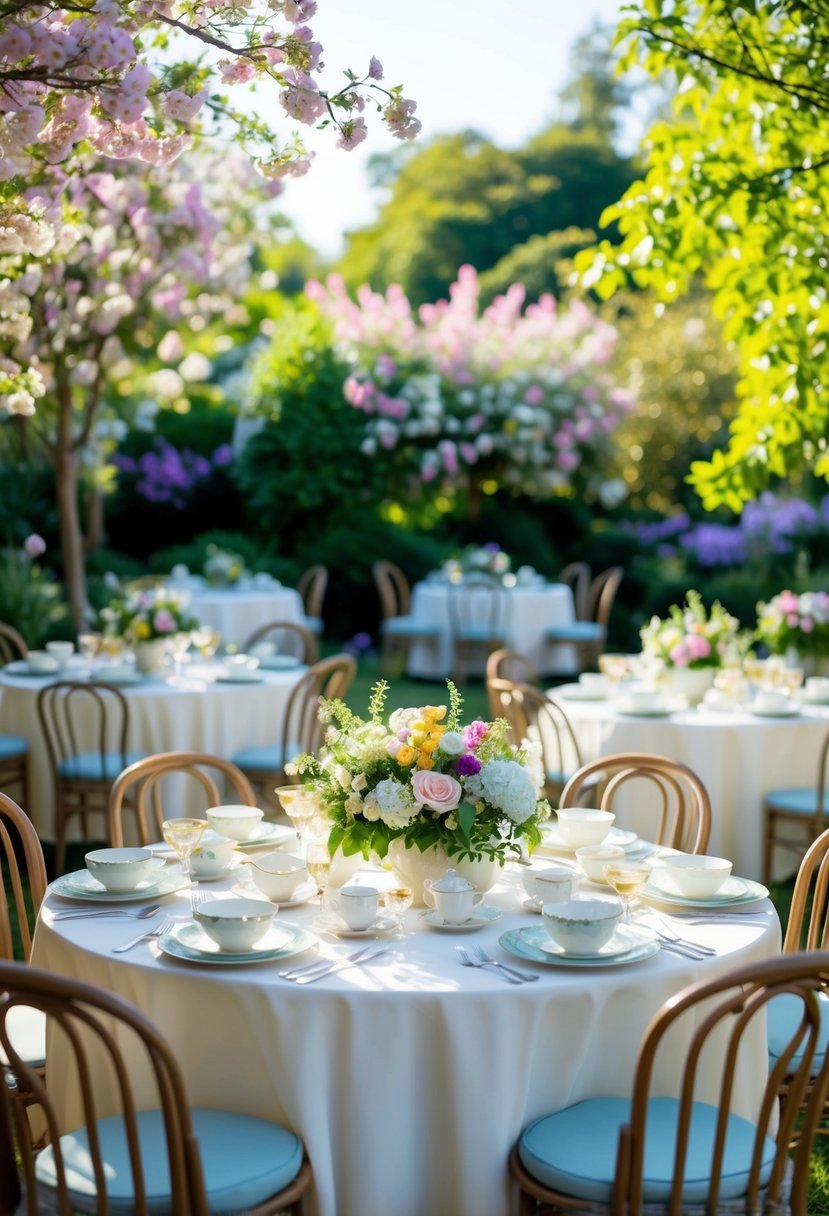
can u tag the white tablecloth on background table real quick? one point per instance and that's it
(530, 611)
(214, 717)
(408, 1080)
(235, 612)
(739, 757)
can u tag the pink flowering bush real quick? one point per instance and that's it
(457, 397)
(692, 637)
(797, 622)
(31, 598)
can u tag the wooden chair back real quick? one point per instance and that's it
(12, 645)
(393, 589)
(601, 596)
(505, 664)
(477, 618)
(537, 719)
(578, 576)
(107, 1046)
(682, 804)
(22, 878)
(808, 925)
(311, 585)
(138, 791)
(327, 680)
(285, 637)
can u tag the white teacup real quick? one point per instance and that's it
(42, 661)
(549, 886)
(645, 699)
(356, 905)
(212, 856)
(769, 701)
(62, 651)
(455, 907)
(594, 682)
(817, 687)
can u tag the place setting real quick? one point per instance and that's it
(354, 911)
(453, 905)
(697, 881)
(118, 875)
(582, 933)
(576, 827)
(230, 932)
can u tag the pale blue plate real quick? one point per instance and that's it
(190, 942)
(81, 885)
(516, 942)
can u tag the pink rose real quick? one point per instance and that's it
(163, 622)
(437, 790)
(698, 646)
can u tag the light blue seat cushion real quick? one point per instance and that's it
(783, 1015)
(574, 1150)
(260, 759)
(314, 625)
(409, 624)
(802, 801)
(11, 746)
(245, 1161)
(577, 631)
(480, 633)
(87, 766)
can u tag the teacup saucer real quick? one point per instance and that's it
(329, 922)
(483, 915)
(302, 894)
(533, 905)
(235, 864)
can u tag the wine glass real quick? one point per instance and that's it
(397, 901)
(206, 641)
(791, 679)
(627, 878)
(300, 805)
(89, 644)
(183, 835)
(318, 864)
(614, 666)
(179, 645)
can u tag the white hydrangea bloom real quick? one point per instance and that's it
(393, 802)
(507, 785)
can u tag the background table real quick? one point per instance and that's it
(235, 612)
(408, 1080)
(739, 758)
(530, 611)
(209, 717)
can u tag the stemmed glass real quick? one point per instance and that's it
(627, 878)
(89, 644)
(179, 645)
(318, 864)
(300, 805)
(397, 901)
(614, 666)
(183, 835)
(206, 641)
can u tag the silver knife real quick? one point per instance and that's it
(324, 963)
(340, 964)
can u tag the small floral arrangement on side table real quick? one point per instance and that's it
(489, 559)
(424, 778)
(223, 569)
(692, 637)
(147, 615)
(795, 622)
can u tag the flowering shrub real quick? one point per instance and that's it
(795, 621)
(170, 476)
(425, 778)
(478, 559)
(30, 596)
(144, 616)
(458, 397)
(691, 637)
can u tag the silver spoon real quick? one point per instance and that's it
(93, 913)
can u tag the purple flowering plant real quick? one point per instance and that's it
(167, 475)
(422, 776)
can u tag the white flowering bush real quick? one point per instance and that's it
(423, 777)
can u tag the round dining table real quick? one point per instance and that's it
(408, 1078)
(738, 754)
(236, 612)
(530, 610)
(208, 710)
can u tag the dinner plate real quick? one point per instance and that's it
(304, 892)
(733, 891)
(624, 939)
(651, 711)
(485, 914)
(514, 943)
(21, 668)
(268, 833)
(279, 662)
(237, 678)
(779, 711)
(551, 839)
(190, 942)
(575, 692)
(802, 696)
(329, 922)
(120, 677)
(81, 885)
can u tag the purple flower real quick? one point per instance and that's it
(222, 456)
(34, 545)
(467, 764)
(163, 622)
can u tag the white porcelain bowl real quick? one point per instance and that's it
(278, 875)
(234, 924)
(213, 855)
(594, 682)
(550, 885)
(579, 826)
(120, 870)
(61, 651)
(237, 822)
(582, 926)
(593, 858)
(41, 660)
(696, 876)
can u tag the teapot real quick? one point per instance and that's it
(452, 897)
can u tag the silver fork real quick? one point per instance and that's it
(197, 898)
(662, 929)
(467, 961)
(526, 976)
(95, 913)
(166, 926)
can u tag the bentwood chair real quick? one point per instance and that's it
(14, 749)
(538, 720)
(671, 790)
(399, 630)
(588, 633)
(137, 1147)
(311, 585)
(478, 609)
(687, 1151)
(85, 727)
(578, 577)
(794, 816)
(282, 638)
(12, 645)
(511, 665)
(139, 790)
(301, 729)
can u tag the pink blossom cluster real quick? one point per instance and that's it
(454, 390)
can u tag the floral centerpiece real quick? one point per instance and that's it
(223, 569)
(691, 644)
(792, 622)
(489, 559)
(423, 782)
(146, 616)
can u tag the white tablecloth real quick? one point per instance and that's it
(235, 612)
(738, 756)
(209, 717)
(530, 611)
(408, 1080)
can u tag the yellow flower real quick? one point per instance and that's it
(406, 755)
(434, 712)
(424, 760)
(142, 630)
